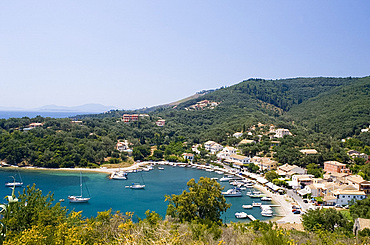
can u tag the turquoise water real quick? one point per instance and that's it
(111, 194)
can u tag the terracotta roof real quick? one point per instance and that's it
(334, 163)
(308, 151)
(364, 223)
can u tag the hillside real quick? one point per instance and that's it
(338, 106)
(342, 111)
(278, 101)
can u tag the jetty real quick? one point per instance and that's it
(251, 217)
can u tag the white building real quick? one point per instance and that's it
(239, 159)
(226, 152)
(238, 134)
(343, 197)
(213, 147)
(281, 132)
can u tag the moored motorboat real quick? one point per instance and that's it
(224, 179)
(160, 168)
(241, 215)
(119, 175)
(256, 204)
(247, 206)
(266, 199)
(267, 213)
(232, 193)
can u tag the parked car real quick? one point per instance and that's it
(297, 212)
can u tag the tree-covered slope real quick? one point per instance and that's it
(341, 111)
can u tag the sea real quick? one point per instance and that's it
(32, 114)
(108, 194)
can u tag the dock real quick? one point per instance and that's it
(251, 217)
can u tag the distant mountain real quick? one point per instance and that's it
(92, 108)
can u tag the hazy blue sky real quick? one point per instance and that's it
(133, 54)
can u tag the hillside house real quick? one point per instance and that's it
(239, 159)
(213, 147)
(194, 148)
(238, 134)
(245, 141)
(188, 156)
(290, 170)
(160, 122)
(299, 180)
(357, 154)
(360, 224)
(130, 117)
(226, 152)
(308, 151)
(344, 197)
(335, 167)
(281, 132)
(359, 183)
(264, 163)
(122, 146)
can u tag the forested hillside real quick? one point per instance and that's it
(341, 112)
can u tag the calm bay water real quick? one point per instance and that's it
(112, 194)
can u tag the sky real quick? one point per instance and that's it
(135, 54)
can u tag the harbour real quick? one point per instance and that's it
(111, 194)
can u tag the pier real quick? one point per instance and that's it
(251, 217)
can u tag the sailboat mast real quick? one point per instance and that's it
(81, 182)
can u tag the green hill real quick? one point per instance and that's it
(338, 106)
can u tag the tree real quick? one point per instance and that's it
(203, 202)
(361, 209)
(271, 175)
(325, 219)
(314, 169)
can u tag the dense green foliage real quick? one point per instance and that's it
(203, 202)
(33, 219)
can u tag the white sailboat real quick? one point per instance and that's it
(15, 183)
(79, 199)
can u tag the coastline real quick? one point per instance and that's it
(96, 170)
(284, 210)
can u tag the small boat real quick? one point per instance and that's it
(243, 188)
(149, 167)
(146, 169)
(214, 178)
(267, 213)
(15, 183)
(160, 168)
(61, 200)
(224, 179)
(249, 185)
(80, 198)
(256, 204)
(266, 199)
(137, 186)
(247, 206)
(219, 172)
(241, 215)
(249, 193)
(119, 175)
(209, 170)
(257, 195)
(232, 193)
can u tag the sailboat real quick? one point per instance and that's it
(79, 199)
(138, 185)
(15, 183)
